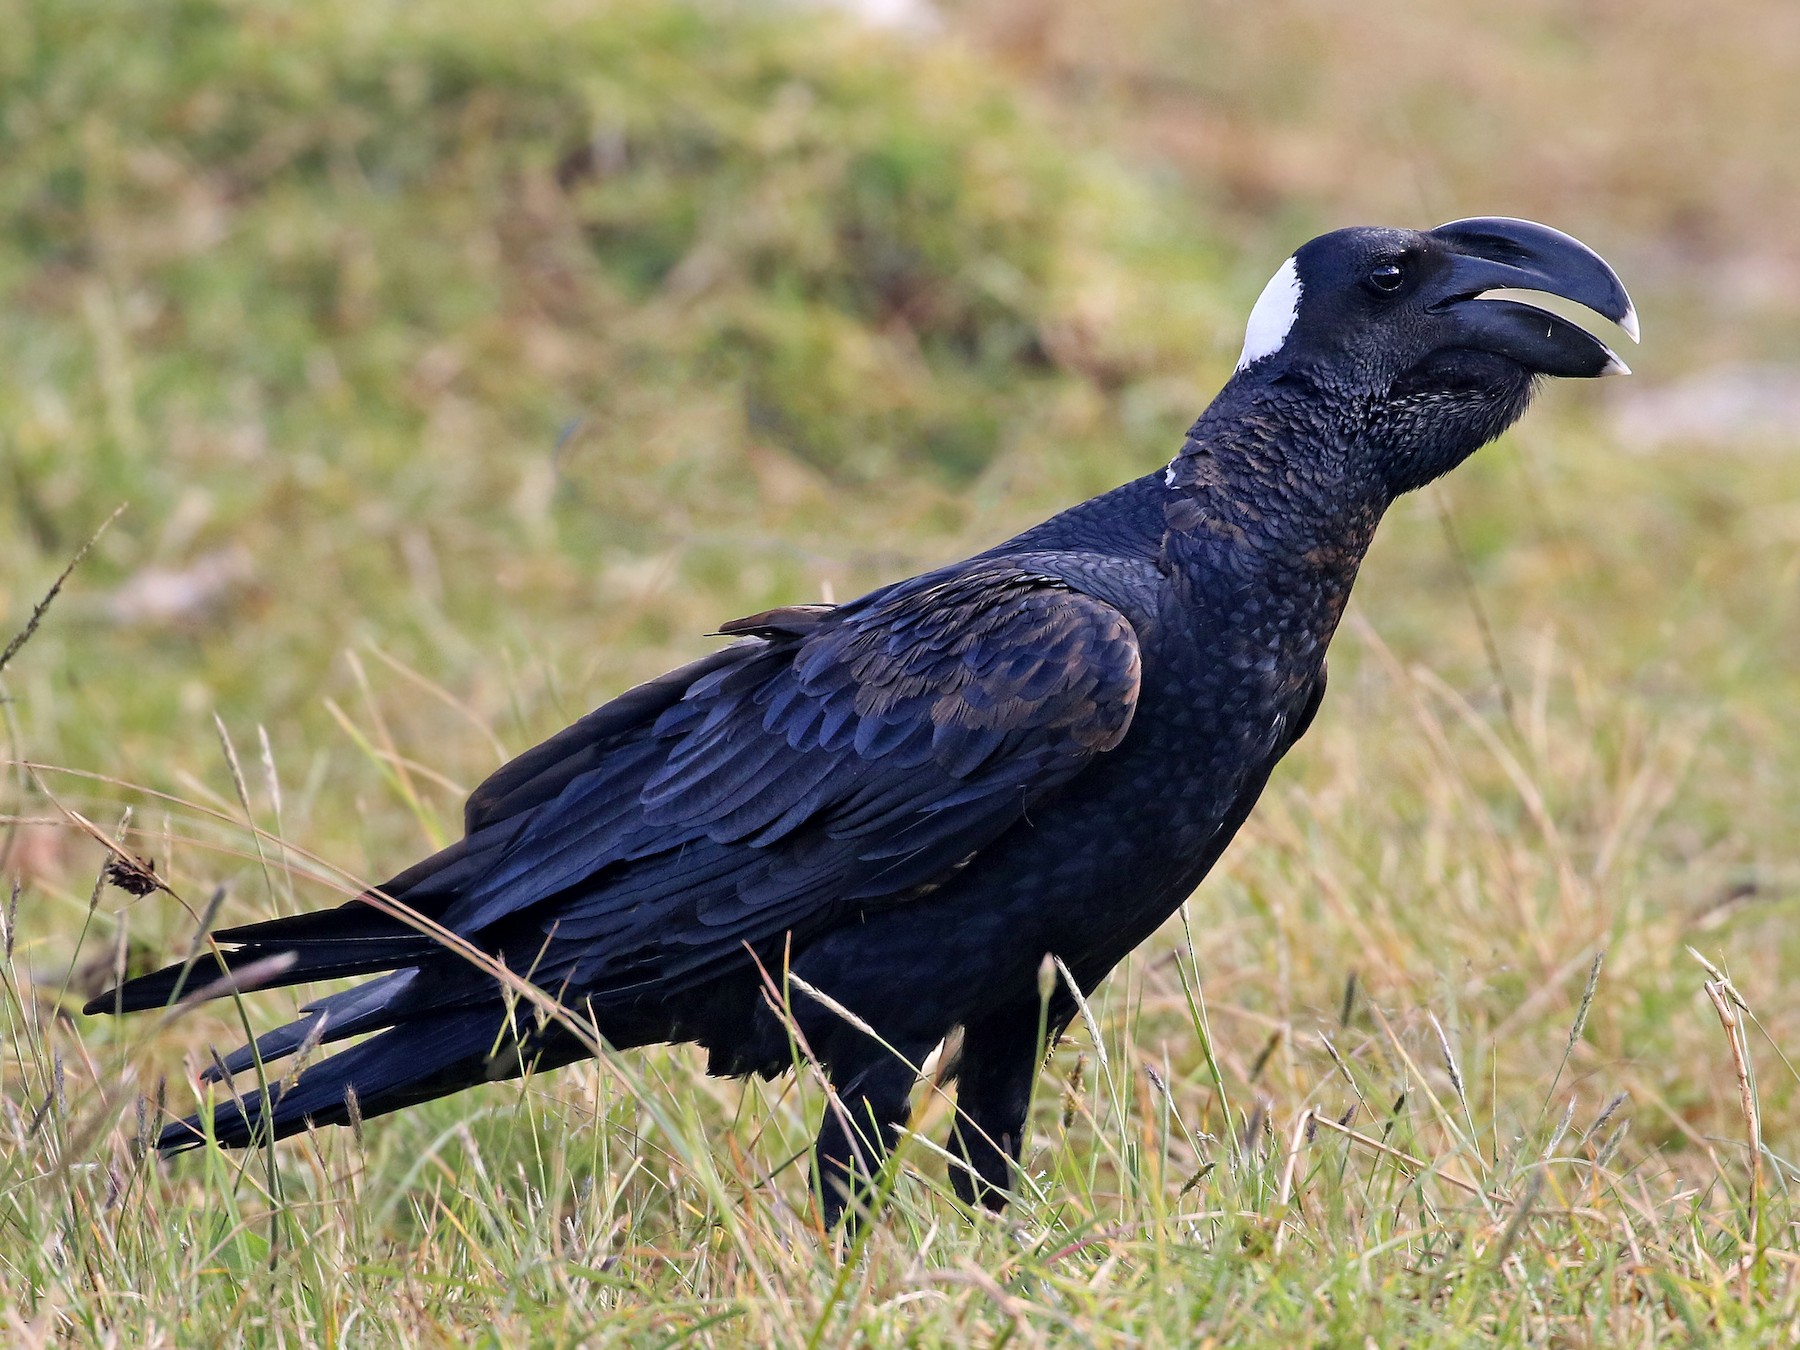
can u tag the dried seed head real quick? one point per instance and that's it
(134, 875)
(353, 1109)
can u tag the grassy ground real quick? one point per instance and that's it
(460, 367)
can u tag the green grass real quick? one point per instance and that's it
(462, 365)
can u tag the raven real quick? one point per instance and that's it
(860, 827)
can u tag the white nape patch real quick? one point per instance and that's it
(1273, 315)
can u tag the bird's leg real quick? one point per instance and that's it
(858, 1131)
(999, 1061)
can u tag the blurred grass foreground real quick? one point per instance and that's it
(461, 364)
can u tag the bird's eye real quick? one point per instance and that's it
(1386, 277)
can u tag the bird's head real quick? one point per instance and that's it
(1395, 327)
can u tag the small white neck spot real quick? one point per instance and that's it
(1273, 315)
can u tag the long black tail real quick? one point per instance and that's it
(437, 1036)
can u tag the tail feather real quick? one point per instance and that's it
(399, 1067)
(322, 960)
(354, 922)
(368, 1007)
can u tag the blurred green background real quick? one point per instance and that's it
(463, 363)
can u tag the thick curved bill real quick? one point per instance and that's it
(1493, 253)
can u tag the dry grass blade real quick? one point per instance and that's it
(1417, 1167)
(11, 920)
(1558, 1134)
(1728, 1003)
(1579, 1024)
(1465, 1145)
(246, 978)
(1088, 1019)
(1521, 1215)
(1344, 1069)
(1452, 1068)
(42, 607)
(832, 1005)
(121, 861)
(1289, 1167)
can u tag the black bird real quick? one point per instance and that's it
(894, 808)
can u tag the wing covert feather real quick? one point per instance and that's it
(842, 758)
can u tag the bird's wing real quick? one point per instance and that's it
(848, 757)
(831, 759)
